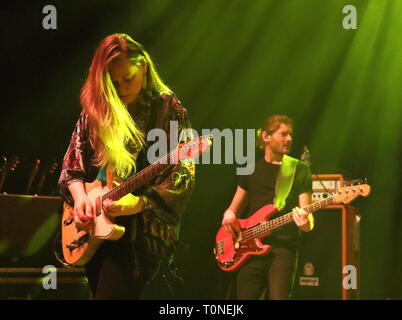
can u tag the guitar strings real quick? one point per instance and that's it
(118, 190)
(278, 222)
(267, 226)
(166, 158)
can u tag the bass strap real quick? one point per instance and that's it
(284, 181)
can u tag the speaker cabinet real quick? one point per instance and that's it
(35, 284)
(28, 226)
(328, 260)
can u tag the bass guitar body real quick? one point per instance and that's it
(79, 246)
(232, 252)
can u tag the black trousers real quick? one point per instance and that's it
(118, 272)
(269, 276)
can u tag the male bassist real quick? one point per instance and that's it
(270, 276)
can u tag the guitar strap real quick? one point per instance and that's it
(101, 174)
(284, 181)
(106, 175)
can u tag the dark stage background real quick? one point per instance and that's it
(232, 64)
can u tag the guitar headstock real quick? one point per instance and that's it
(52, 167)
(347, 194)
(11, 165)
(194, 148)
(6, 167)
(3, 164)
(355, 182)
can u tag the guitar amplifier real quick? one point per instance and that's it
(33, 284)
(28, 227)
(324, 185)
(328, 261)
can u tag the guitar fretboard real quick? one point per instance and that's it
(139, 179)
(154, 169)
(271, 225)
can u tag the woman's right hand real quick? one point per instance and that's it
(83, 213)
(231, 223)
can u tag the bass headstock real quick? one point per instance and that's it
(348, 193)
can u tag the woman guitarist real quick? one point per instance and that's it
(122, 99)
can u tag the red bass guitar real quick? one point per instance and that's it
(232, 252)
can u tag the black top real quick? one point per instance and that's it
(261, 191)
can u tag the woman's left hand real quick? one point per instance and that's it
(302, 220)
(128, 205)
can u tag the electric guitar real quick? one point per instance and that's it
(45, 175)
(232, 252)
(7, 167)
(79, 246)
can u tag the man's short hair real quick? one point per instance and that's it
(271, 124)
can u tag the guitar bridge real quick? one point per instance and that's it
(219, 249)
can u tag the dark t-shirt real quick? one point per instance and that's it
(261, 191)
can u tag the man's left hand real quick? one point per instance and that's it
(302, 219)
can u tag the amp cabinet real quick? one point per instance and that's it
(28, 227)
(24, 283)
(328, 260)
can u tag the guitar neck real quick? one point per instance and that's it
(2, 179)
(139, 179)
(271, 225)
(187, 150)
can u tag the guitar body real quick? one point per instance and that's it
(80, 246)
(233, 253)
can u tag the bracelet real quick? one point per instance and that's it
(145, 202)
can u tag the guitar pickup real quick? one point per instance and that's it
(238, 239)
(68, 222)
(78, 242)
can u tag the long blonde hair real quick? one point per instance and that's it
(111, 125)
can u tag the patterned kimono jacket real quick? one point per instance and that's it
(154, 230)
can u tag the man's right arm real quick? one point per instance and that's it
(239, 201)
